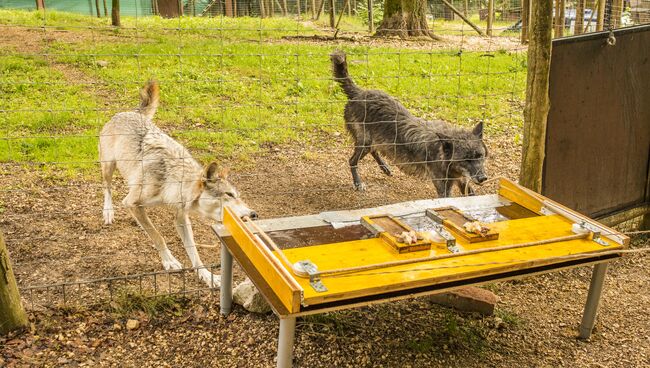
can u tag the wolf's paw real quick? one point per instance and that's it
(109, 216)
(360, 186)
(212, 280)
(169, 262)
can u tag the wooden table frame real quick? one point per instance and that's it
(287, 306)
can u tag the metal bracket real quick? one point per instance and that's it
(439, 227)
(586, 227)
(312, 271)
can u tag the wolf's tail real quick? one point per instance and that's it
(340, 70)
(149, 99)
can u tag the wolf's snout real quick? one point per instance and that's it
(480, 178)
(253, 215)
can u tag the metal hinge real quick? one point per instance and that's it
(312, 271)
(585, 227)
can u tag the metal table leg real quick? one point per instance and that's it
(226, 281)
(285, 342)
(593, 298)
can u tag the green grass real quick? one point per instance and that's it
(228, 86)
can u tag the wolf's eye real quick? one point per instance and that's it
(230, 194)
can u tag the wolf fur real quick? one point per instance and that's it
(433, 150)
(161, 172)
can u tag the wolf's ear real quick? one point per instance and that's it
(212, 172)
(447, 145)
(478, 130)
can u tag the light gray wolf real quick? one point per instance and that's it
(434, 150)
(161, 172)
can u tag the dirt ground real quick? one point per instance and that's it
(54, 231)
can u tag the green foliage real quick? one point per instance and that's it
(377, 12)
(228, 85)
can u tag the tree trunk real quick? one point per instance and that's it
(561, 19)
(115, 13)
(332, 13)
(12, 314)
(490, 17)
(580, 16)
(40, 4)
(405, 18)
(601, 15)
(537, 98)
(525, 20)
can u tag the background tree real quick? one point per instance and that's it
(12, 314)
(405, 18)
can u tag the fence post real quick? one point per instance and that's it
(115, 13)
(40, 4)
(332, 13)
(12, 314)
(537, 94)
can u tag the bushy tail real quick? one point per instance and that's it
(340, 70)
(149, 98)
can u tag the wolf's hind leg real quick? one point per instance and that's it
(382, 164)
(107, 176)
(359, 153)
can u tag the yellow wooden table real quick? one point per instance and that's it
(345, 265)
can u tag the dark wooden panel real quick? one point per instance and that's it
(598, 136)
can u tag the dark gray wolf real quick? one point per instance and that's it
(434, 150)
(161, 172)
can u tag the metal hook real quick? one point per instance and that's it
(611, 39)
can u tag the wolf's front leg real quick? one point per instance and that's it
(184, 229)
(443, 187)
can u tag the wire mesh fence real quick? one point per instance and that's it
(248, 84)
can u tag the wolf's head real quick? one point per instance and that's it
(216, 192)
(465, 153)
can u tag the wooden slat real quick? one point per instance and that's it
(515, 193)
(265, 263)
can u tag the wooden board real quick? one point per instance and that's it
(356, 253)
(279, 279)
(515, 193)
(454, 220)
(389, 229)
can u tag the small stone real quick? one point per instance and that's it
(102, 63)
(337, 134)
(132, 324)
(117, 327)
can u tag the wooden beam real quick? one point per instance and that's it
(464, 18)
(12, 314)
(537, 94)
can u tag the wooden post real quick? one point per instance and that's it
(284, 8)
(105, 9)
(537, 94)
(115, 13)
(525, 20)
(465, 19)
(12, 314)
(229, 9)
(40, 4)
(490, 17)
(99, 13)
(580, 16)
(332, 13)
(601, 15)
(371, 23)
(313, 9)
